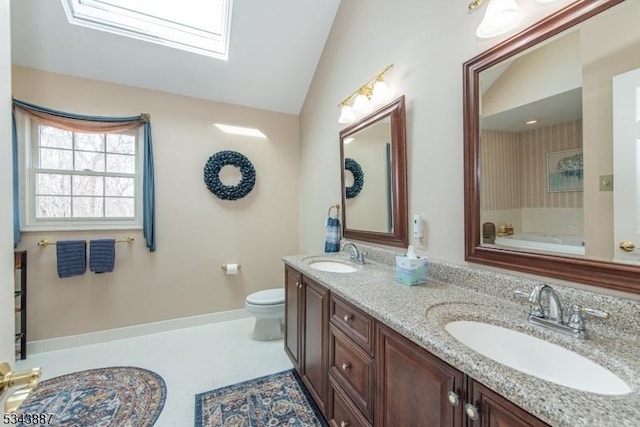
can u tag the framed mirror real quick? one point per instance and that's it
(374, 177)
(550, 149)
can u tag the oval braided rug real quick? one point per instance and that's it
(115, 397)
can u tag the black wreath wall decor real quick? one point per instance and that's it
(229, 192)
(358, 177)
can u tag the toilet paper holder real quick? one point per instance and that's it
(224, 267)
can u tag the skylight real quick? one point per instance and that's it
(198, 26)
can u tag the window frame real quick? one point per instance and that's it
(28, 141)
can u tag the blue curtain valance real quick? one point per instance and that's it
(97, 124)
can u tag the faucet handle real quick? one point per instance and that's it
(533, 301)
(595, 312)
(575, 320)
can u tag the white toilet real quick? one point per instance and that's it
(268, 308)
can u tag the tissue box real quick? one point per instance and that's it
(411, 271)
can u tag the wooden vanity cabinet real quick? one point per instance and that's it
(362, 373)
(413, 385)
(416, 388)
(496, 411)
(352, 365)
(293, 316)
(306, 322)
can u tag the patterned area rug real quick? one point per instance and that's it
(274, 400)
(115, 397)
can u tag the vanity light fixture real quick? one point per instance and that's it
(501, 16)
(370, 95)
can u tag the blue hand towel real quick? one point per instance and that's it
(72, 257)
(102, 255)
(332, 243)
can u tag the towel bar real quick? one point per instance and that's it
(45, 243)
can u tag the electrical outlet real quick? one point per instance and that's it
(606, 182)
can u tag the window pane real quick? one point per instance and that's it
(53, 207)
(121, 163)
(54, 137)
(56, 159)
(119, 187)
(89, 141)
(55, 184)
(87, 207)
(88, 185)
(119, 207)
(119, 143)
(86, 161)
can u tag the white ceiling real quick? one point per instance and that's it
(274, 49)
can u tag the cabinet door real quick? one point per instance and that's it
(413, 385)
(293, 316)
(315, 338)
(496, 411)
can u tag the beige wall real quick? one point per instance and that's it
(547, 71)
(196, 231)
(428, 42)
(6, 213)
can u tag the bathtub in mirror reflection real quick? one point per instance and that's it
(546, 114)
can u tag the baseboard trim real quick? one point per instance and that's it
(70, 341)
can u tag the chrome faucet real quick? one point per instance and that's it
(356, 254)
(551, 315)
(553, 311)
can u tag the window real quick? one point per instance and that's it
(78, 180)
(198, 26)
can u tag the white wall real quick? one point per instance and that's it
(196, 232)
(6, 213)
(428, 41)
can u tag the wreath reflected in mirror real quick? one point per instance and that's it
(229, 158)
(358, 177)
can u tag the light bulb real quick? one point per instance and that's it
(346, 115)
(500, 17)
(380, 93)
(361, 105)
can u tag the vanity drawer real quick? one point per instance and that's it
(353, 369)
(356, 324)
(343, 413)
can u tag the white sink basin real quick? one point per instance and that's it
(333, 267)
(537, 357)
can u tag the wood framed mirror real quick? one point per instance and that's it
(606, 48)
(374, 184)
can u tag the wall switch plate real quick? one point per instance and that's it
(606, 182)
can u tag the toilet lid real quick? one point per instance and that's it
(267, 297)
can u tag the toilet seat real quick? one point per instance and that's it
(267, 297)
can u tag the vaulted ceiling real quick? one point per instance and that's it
(274, 50)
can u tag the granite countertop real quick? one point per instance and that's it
(421, 312)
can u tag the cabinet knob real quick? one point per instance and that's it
(344, 424)
(346, 365)
(298, 284)
(348, 317)
(453, 398)
(471, 411)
